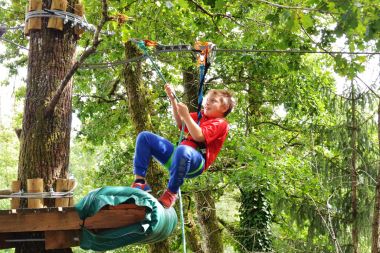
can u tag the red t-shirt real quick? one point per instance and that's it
(215, 132)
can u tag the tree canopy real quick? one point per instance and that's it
(286, 168)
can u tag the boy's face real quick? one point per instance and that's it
(214, 107)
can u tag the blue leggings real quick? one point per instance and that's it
(182, 161)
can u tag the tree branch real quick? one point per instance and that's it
(276, 124)
(374, 92)
(95, 43)
(119, 97)
(288, 7)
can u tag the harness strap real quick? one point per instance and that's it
(170, 160)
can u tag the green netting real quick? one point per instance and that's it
(159, 222)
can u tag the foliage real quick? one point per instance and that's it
(255, 219)
(290, 131)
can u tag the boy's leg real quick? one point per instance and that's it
(186, 160)
(148, 145)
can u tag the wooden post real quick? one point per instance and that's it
(71, 186)
(79, 10)
(26, 27)
(35, 185)
(62, 185)
(57, 23)
(35, 23)
(15, 187)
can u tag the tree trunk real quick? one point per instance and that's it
(354, 175)
(139, 108)
(192, 234)
(205, 204)
(211, 232)
(191, 100)
(191, 88)
(376, 212)
(45, 140)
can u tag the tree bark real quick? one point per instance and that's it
(45, 141)
(205, 204)
(211, 232)
(376, 212)
(354, 175)
(139, 107)
(191, 100)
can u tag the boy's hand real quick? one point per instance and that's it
(169, 91)
(182, 109)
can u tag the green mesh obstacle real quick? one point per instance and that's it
(159, 222)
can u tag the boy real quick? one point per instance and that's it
(195, 153)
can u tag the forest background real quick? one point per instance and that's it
(300, 169)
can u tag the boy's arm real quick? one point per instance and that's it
(175, 112)
(169, 91)
(194, 129)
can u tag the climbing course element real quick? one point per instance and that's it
(60, 227)
(158, 224)
(205, 56)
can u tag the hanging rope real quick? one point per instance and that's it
(142, 45)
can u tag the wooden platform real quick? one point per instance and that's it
(60, 227)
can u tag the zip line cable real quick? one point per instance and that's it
(13, 43)
(292, 51)
(4, 29)
(188, 49)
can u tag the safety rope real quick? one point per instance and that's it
(142, 46)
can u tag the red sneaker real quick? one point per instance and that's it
(168, 199)
(144, 187)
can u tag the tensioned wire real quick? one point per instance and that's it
(223, 50)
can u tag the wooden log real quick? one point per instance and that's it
(79, 10)
(34, 186)
(57, 23)
(35, 23)
(62, 185)
(67, 218)
(26, 25)
(15, 187)
(71, 185)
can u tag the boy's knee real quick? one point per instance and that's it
(183, 151)
(143, 135)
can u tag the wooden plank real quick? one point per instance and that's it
(61, 239)
(51, 219)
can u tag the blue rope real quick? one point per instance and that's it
(200, 91)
